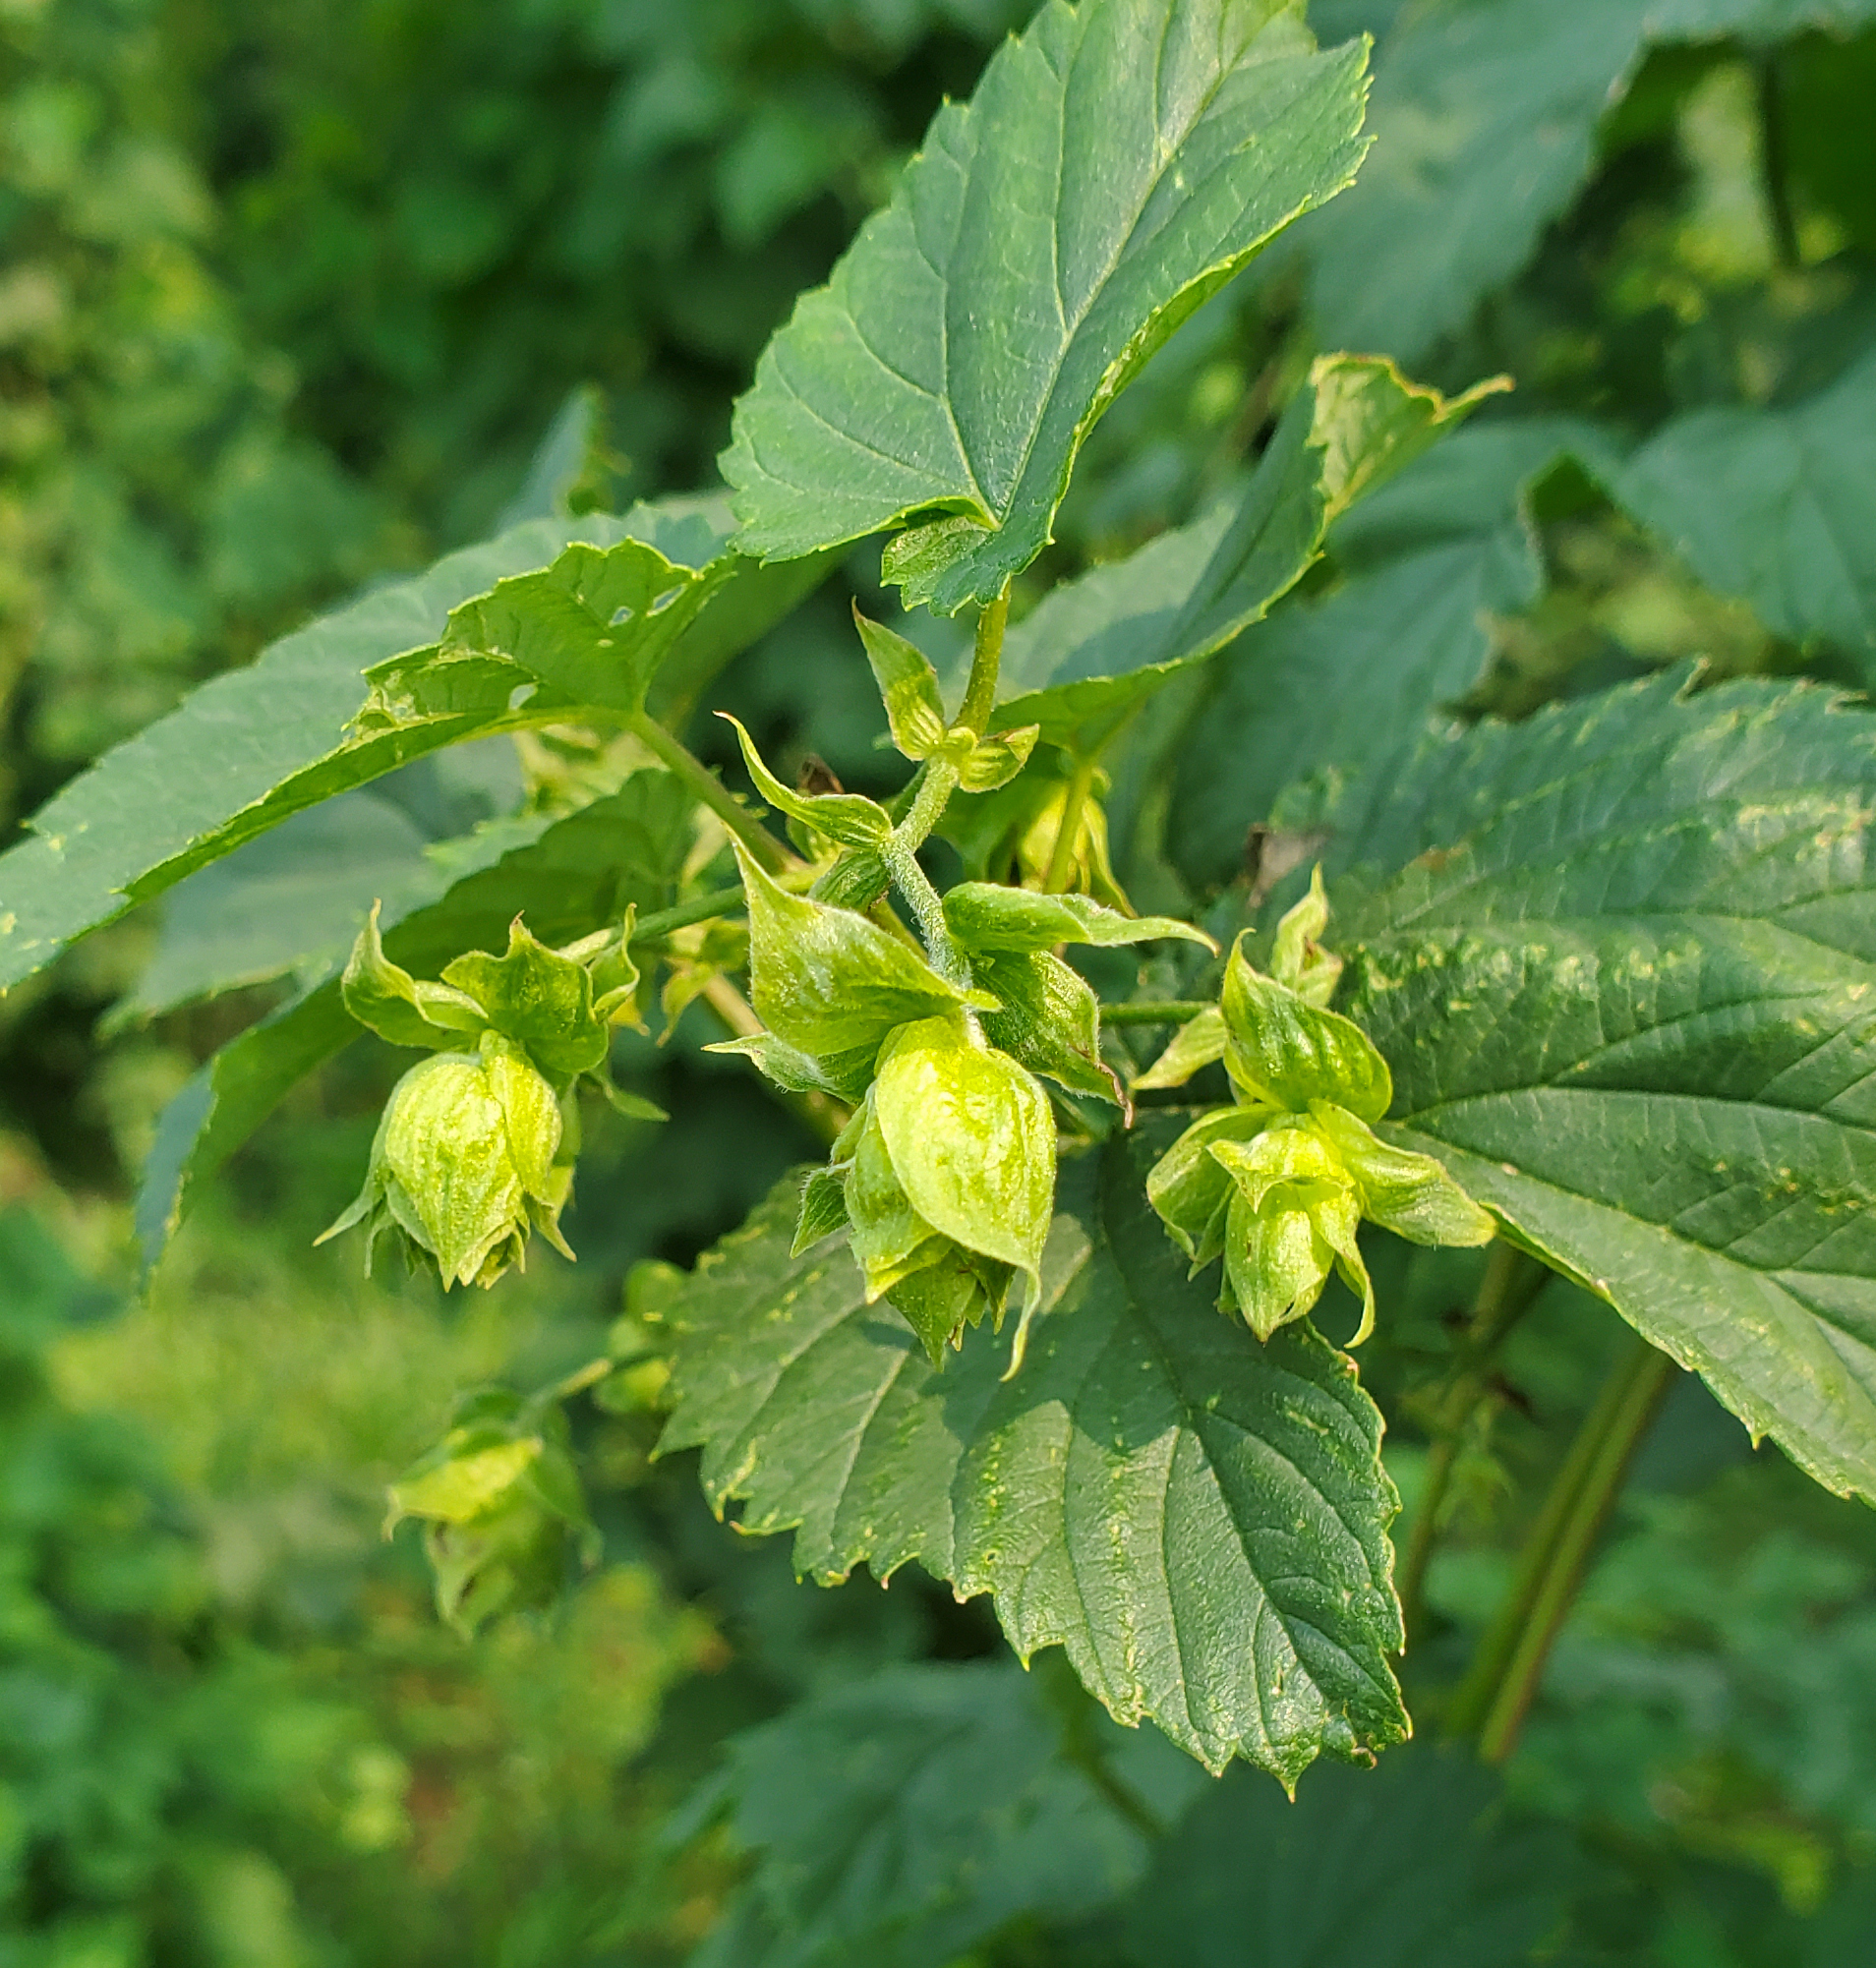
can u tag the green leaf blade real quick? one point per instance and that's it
(399, 673)
(1200, 1520)
(1629, 982)
(1117, 164)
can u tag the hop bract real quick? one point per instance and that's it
(1278, 1184)
(464, 1165)
(944, 1179)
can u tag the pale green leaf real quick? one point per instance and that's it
(987, 916)
(1200, 1520)
(1117, 164)
(1626, 978)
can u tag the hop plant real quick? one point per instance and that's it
(1279, 1182)
(466, 1163)
(476, 1145)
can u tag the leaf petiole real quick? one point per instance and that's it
(1156, 1011)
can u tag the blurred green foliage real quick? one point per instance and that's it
(290, 298)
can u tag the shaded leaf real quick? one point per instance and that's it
(1095, 647)
(900, 1819)
(1777, 506)
(1322, 692)
(488, 639)
(1444, 1882)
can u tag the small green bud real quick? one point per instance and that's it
(539, 999)
(972, 1136)
(466, 1163)
(1298, 958)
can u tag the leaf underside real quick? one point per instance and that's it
(1116, 165)
(1628, 990)
(1200, 1520)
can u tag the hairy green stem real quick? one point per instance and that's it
(1505, 1671)
(986, 661)
(1510, 1285)
(936, 784)
(1156, 1011)
(710, 791)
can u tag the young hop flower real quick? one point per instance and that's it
(465, 1164)
(1278, 1184)
(944, 1179)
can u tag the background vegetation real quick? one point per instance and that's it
(293, 298)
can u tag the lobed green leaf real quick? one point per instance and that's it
(490, 639)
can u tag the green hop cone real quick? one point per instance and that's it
(466, 1163)
(944, 1179)
(1279, 1183)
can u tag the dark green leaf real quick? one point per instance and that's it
(1323, 691)
(1407, 1866)
(1484, 116)
(1627, 980)
(1117, 164)
(903, 1819)
(1200, 1520)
